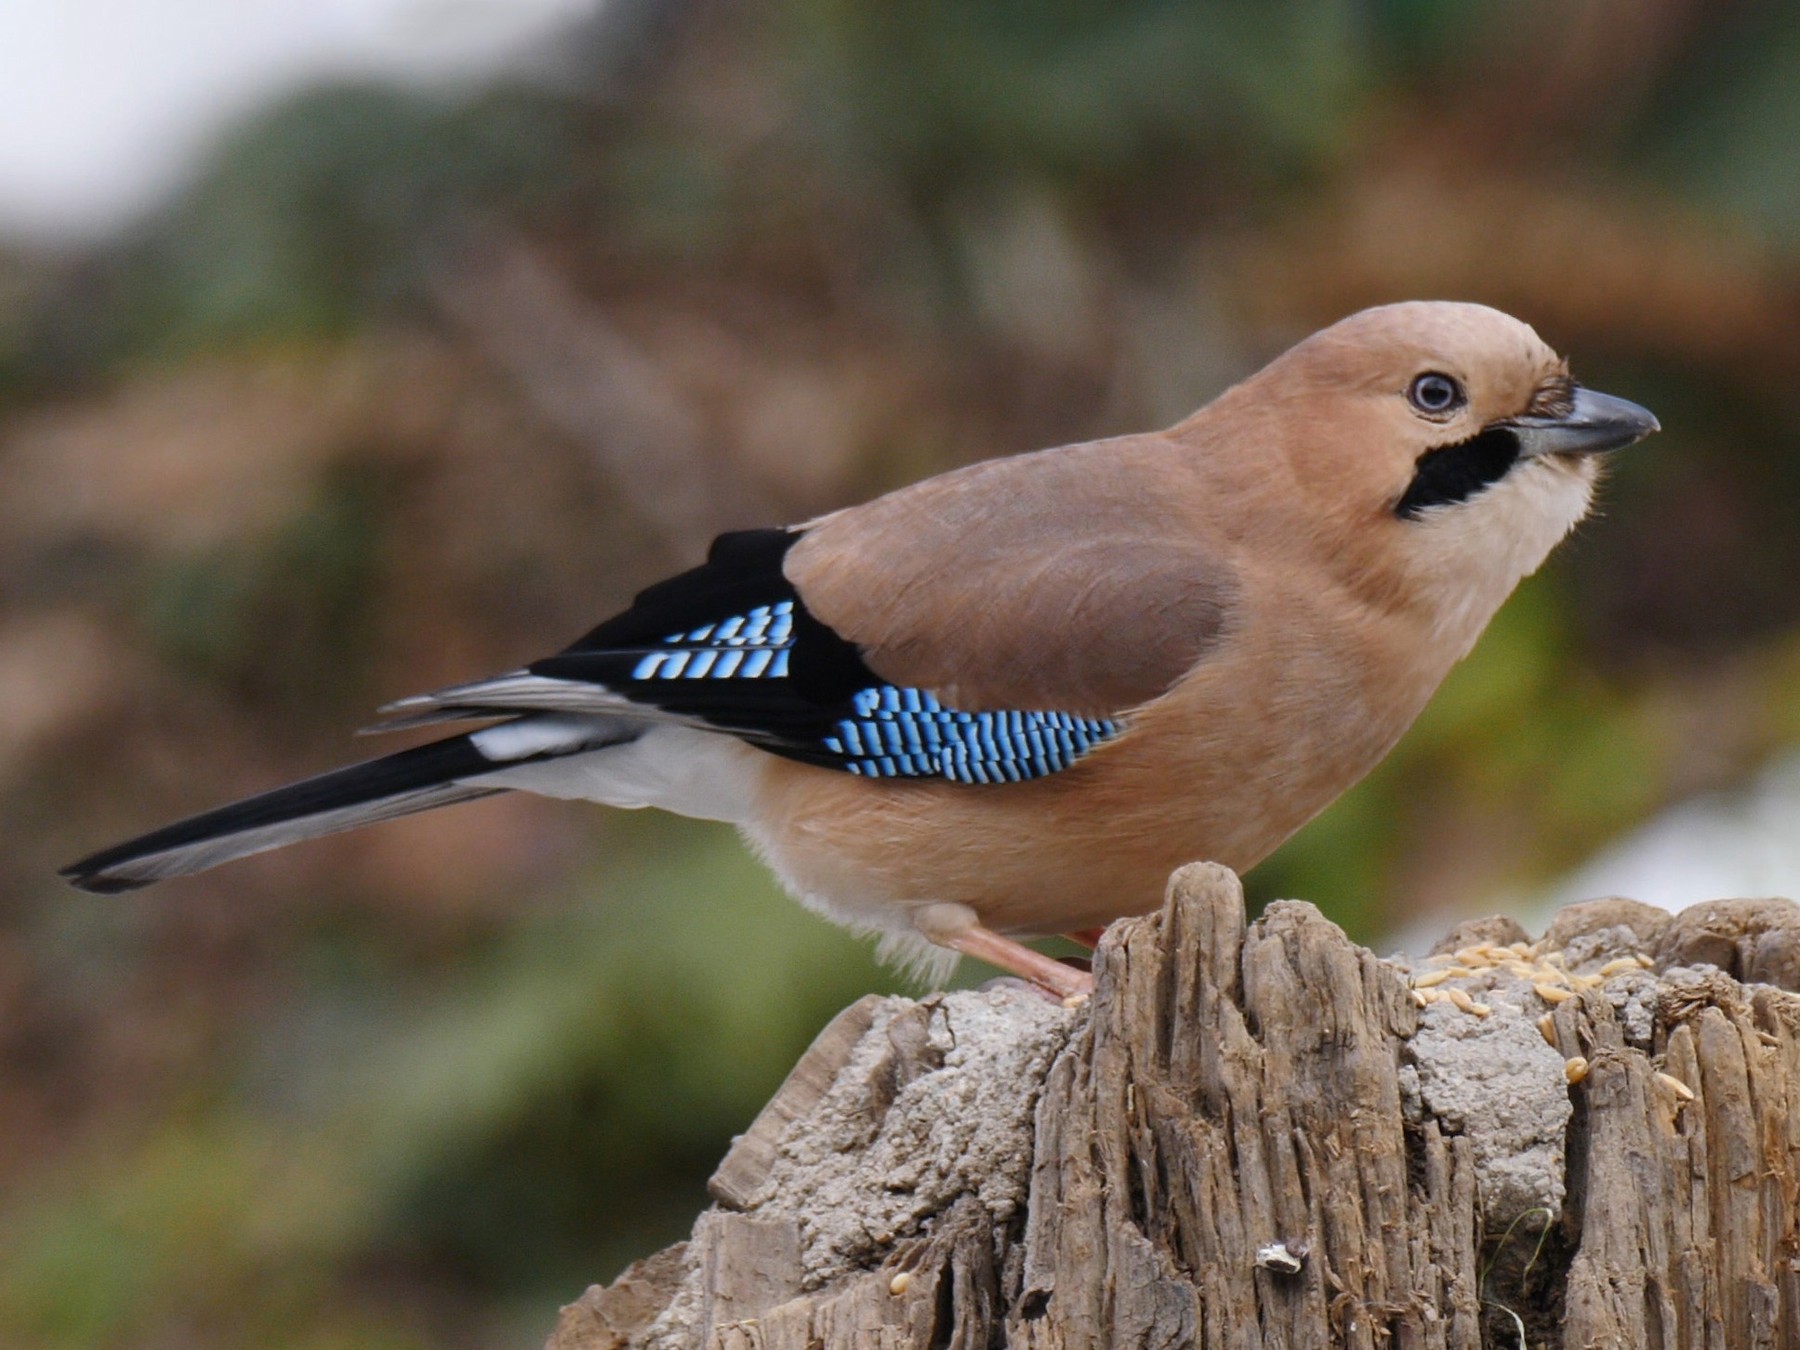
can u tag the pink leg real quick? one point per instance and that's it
(958, 928)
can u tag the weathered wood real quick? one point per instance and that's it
(1260, 1136)
(752, 1157)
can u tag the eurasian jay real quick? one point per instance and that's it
(1011, 699)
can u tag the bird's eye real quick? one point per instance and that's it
(1434, 394)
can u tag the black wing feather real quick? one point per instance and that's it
(731, 644)
(786, 713)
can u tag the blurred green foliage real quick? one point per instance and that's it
(942, 95)
(285, 621)
(549, 1111)
(278, 1110)
(324, 210)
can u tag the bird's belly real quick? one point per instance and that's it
(1072, 850)
(1031, 858)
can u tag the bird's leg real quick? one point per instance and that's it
(1086, 937)
(960, 929)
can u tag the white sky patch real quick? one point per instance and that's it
(1731, 844)
(1725, 845)
(104, 104)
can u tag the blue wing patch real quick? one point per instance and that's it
(749, 646)
(890, 732)
(907, 733)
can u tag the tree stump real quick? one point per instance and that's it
(1264, 1135)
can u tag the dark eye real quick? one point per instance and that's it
(1435, 394)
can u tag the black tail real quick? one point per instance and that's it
(381, 789)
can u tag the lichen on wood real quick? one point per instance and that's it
(1263, 1135)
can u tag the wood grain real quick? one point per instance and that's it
(1241, 1144)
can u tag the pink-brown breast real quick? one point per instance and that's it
(1255, 741)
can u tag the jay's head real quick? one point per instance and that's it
(1446, 440)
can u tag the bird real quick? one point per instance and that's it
(1009, 700)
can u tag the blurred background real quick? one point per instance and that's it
(351, 349)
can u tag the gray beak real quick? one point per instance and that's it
(1595, 424)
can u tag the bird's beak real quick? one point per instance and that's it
(1594, 424)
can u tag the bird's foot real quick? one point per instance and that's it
(958, 928)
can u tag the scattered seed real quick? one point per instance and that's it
(1460, 997)
(1421, 998)
(1432, 977)
(1547, 1029)
(1575, 1069)
(1619, 966)
(900, 1283)
(1473, 956)
(1675, 1085)
(1552, 993)
(1647, 962)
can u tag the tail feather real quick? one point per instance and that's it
(400, 784)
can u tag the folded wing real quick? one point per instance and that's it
(989, 626)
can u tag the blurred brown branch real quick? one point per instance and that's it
(584, 377)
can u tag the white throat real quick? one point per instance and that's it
(1478, 551)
